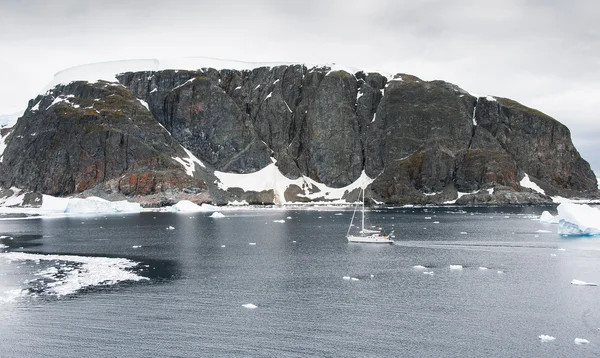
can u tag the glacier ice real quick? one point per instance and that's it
(578, 220)
(94, 205)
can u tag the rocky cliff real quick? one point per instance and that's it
(159, 136)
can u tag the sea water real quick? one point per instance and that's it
(286, 283)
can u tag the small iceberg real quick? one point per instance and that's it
(544, 231)
(581, 341)
(548, 218)
(353, 279)
(249, 306)
(170, 228)
(583, 283)
(545, 338)
(419, 267)
(456, 267)
(578, 220)
(483, 268)
(186, 206)
(278, 221)
(463, 233)
(430, 273)
(136, 246)
(347, 278)
(252, 243)
(217, 215)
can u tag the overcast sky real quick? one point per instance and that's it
(542, 53)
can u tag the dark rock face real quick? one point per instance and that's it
(421, 141)
(82, 135)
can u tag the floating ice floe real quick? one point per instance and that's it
(544, 231)
(347, 278)
(578, 220)
(278, 221)
(583, 283)
(483, 268)
(463, 233)
(136, 246)
(217, 215)
(419, 267)
(69, 273)
(252, 243)
(249, 306)
(170, 228)
(353, 279)
(428, 273)
(545, 338)
(456, 267)
(581, 341)
(186, 206)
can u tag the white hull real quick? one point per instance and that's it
(371, 239)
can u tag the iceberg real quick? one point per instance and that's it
(581, 341)
(578, 220)
(186, 206)
(249, 305)
(456, 267)
(217, 215)
(94, 205)
(548, 218)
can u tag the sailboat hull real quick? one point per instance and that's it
(370, 239)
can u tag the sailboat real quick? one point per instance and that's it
(366, 235)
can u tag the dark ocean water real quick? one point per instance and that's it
(181, 292)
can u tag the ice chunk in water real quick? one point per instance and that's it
(217, 215)
(249, 305)
(548, 218)
(578, 220)
(581, 341)
(583, 283)
(546, 338)
(456, 267)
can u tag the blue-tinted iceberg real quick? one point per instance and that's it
(578, 220)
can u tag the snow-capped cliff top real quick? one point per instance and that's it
(108, 70)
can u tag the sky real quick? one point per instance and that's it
(544, 54)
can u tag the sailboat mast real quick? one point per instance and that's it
(363, 210)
